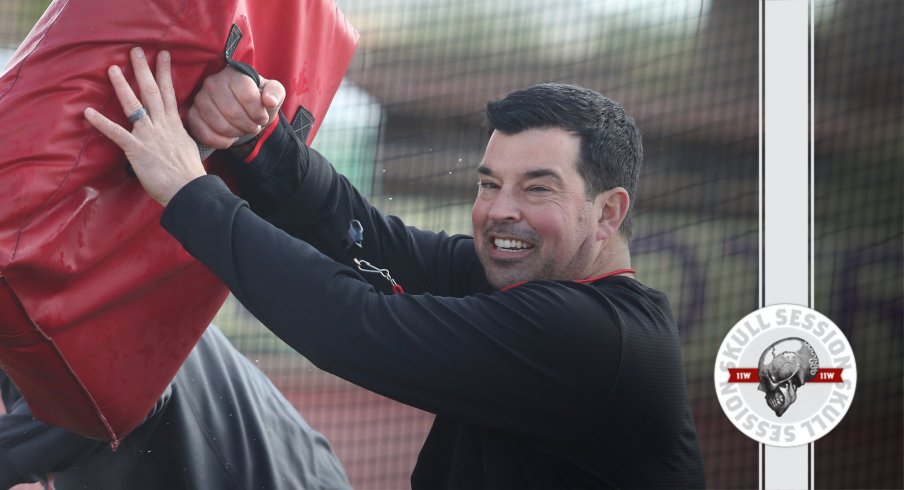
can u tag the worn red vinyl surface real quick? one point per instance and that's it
(99, 306)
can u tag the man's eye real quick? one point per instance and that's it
(487, 185)
(537, 189)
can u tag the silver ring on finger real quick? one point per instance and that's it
(138, 114)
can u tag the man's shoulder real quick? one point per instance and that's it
(618, 292)
(631, 292)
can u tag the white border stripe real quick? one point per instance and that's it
(785, 181)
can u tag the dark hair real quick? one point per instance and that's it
(611, 148)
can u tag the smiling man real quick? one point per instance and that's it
(547, 364)
(535, 216)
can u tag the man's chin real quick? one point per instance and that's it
(503, 279)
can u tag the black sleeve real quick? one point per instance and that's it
(297, 190)
(275, 172)
(512, 360)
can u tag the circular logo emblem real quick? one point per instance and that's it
(785, 375)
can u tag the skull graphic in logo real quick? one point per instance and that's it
(784, 367)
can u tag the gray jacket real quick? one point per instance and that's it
(220, 424)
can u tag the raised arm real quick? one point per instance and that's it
(452, 355)
(284, 181)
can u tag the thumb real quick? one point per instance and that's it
(273, 94)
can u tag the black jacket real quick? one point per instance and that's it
(546, 385)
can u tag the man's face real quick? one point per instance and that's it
(532, 219)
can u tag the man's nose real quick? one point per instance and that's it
(505, 207)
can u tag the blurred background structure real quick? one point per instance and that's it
(407, 128)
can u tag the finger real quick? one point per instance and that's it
(236, 112)
(220, 108)
(204, 134)
(110, 129)
(248, 95)
(165, 82)
(150, 92)
(127, 98)
(272, 96)
(212, 116)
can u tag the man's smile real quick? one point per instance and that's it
(513, 245)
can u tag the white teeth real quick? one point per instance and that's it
(510, 244)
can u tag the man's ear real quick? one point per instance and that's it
(612, 206)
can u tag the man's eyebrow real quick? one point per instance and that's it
(532, 174)
(542, 172)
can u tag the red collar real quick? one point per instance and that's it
(582, 281)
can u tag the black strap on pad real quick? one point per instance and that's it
(302, 123)
(303, 120)
(232, 42)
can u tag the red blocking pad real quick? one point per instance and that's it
(99, 306)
